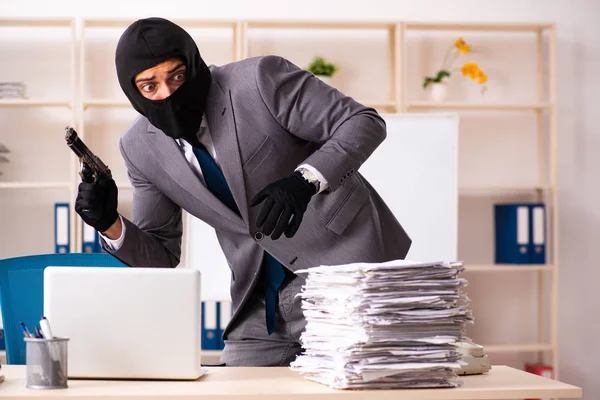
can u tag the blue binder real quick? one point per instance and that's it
(62, 228)
(209, 322)
(225, 314)
(519, 233)
(90, 239)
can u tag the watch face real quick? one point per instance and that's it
(309, 176)
(306, 174)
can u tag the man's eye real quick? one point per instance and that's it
(179, 77)
(148, 88)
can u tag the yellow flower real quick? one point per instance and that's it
(473, 71)
(462, 46)
(482, 77)
(470, 69)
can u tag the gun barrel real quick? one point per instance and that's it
(75, 143)
(97, 167)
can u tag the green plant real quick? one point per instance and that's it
(319, 66)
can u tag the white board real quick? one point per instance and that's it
(415, 170)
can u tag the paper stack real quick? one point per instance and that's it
(3, 159)
(15, 90)
(383, 326)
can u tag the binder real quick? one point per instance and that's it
(520, 233)
(225, 313)
(538, 236)
(209, 325)
(62, 228)
(90, 239)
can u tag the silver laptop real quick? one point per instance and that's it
(126, 323)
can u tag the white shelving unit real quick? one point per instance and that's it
(397, 99)
(544, 190)
(47, 23)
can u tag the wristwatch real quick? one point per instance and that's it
(310, 178)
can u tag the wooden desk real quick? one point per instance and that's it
(282, 383)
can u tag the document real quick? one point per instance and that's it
(383, 325)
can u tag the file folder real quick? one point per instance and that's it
(90, 239)
(209, 325)
(225, 314)
(520, 233)
(62, 228)
(538, 237)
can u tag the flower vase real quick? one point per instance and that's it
(324, 78)
(438, 92)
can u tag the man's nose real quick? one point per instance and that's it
(164, 91)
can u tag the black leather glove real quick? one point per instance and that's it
(284, 199)
(96, 203)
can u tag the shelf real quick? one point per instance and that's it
(387, 104)
(430, 105)
(516, 348)
(122, 23)
(106, 103)
(508, 268)
(380, 104)
(35, 185)
(486, 27)
(34, 103)
(322, 24)
(511, 188)
(33, 22)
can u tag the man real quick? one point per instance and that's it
(262, 151)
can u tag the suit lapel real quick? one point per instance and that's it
(223, 132)
(170, 157)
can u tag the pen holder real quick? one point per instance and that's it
(46, 363)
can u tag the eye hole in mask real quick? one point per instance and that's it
(162, 80)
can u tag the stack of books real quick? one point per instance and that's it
(12, 90)
(3, 159)
(384, 325)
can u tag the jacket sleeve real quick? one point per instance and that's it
(153, 238)
(306, 107)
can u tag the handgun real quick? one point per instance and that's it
(92, 168)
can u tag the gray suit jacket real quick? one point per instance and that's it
(266, 116)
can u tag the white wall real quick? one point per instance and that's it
(578, 23)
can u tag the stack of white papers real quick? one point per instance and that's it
(387, 325)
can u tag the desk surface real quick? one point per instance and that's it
(276, 383)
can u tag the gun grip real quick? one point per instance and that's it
(86, 173)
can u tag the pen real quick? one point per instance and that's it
(38, 332)
(46, 332)
(24, 330)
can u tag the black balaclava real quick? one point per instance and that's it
(148, 42)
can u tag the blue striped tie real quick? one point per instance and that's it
(273, 270)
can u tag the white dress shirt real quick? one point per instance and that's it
(206, 139)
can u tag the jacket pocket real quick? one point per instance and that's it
(348, 210)
(259, 156)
